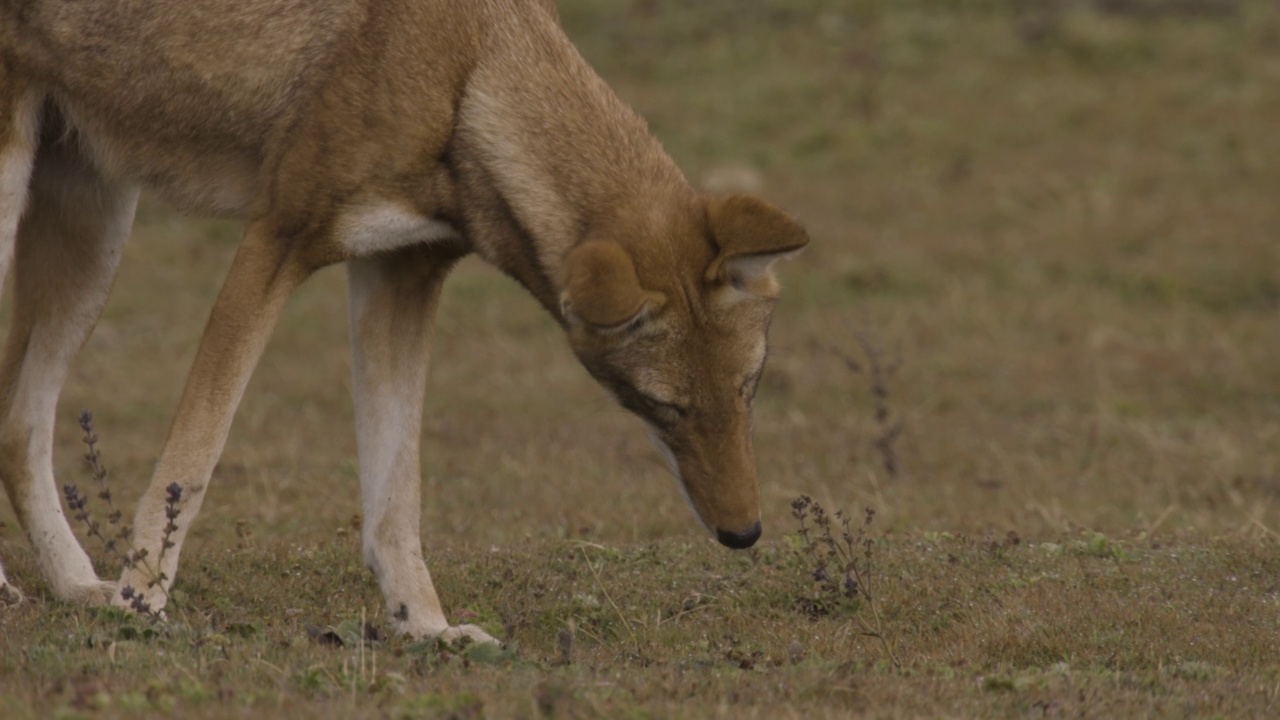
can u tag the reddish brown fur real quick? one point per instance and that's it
(309, 118)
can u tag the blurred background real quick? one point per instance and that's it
(1042, 294)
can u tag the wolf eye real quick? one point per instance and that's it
(665, 413)
(748, 388)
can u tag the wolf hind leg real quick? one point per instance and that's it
(19, 119)
(65, 250)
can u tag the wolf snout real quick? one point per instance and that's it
(739, 540)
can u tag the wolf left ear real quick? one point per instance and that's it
(752, 235)
(601, 287)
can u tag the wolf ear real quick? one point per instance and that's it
(752, 235)
(601, 288)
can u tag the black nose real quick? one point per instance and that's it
(739, 541)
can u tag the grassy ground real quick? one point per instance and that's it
(1055, 221)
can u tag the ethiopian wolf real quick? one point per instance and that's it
(396, 136)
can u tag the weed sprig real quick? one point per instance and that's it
(877, 371)
(121, 532)
(78, 503)
(841, 558)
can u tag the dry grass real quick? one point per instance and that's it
(1064, 226)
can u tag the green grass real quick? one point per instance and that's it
(1061, 224)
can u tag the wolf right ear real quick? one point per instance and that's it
(601, 287)
(752, 235)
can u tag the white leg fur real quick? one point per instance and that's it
(393, 300)
(67, 250)
(385, 227)
(9, 595)
(16, 159)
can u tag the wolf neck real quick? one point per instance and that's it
(558, 156)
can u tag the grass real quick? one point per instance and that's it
(1060, 230)
(1090, 625)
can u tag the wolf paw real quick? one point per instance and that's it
(93, 594)
(456, 633)
(427, 623)
(10, 595)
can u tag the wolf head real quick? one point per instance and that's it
(672, 317)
